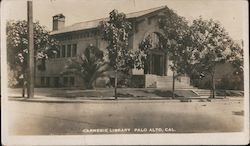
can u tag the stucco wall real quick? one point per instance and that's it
(55, 66)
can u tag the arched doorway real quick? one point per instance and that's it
(157, 61)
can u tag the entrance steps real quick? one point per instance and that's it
(202, 92)
(166, 82)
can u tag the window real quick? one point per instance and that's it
(74, 50)
(56, 81)
(53, 55)
(69, 51)
(58, 53)
(72, 80)
(70, 37)
(65, 81)
(47, 81)
(63, 51)
(95, 33)
(42, 81)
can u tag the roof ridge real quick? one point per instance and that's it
(125, 13)
(88, 21)
(160, 7)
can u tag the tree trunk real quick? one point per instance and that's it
(213, 86)
(24, 83)
(173, 87)
(115, 84)
(23, 91)
(90, 86)
(34, 72)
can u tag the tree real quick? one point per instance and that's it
(141, 56)
(17, 47)
(116, 32)
(177, 42)
(236, 59)
(89, 66)
(212, 46)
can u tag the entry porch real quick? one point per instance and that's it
(157, 73)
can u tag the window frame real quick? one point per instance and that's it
(65, 81)
(72, 81)
(42, 81)
(74, 50)
(47, 81)
(69, 50)
(63, 51)
(58, 55)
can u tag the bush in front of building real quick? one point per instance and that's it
(89, 66)
(231, 83)
(137, 81)
(225, 83)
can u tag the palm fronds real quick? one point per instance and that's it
(89, 66)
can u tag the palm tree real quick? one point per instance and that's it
(89, 66)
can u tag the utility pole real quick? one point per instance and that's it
(31, 50)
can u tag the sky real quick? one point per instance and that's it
(232, 14)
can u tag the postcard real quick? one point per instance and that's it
(127, 72)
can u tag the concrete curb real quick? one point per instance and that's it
(94, 100)
(42, 99)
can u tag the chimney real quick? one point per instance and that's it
(58, 22)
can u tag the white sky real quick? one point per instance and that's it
(231, 13)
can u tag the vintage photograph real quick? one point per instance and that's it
(81, 72)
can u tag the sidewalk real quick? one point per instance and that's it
(47, 99)
(44, 99)
(106, 95)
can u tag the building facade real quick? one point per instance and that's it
(75, 38)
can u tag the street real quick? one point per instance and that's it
(34, 118)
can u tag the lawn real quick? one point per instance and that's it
(135, 93)
(108, 92)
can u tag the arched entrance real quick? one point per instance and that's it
(157, 61)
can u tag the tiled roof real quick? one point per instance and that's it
(95, 23)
